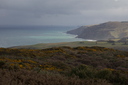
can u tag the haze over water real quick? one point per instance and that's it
(28, 35)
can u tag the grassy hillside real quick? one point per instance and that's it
(63, 66)
(102, 31)
(117, 45)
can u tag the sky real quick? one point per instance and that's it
(62, 12)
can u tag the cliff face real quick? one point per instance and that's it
(102, 31)
(78, 30)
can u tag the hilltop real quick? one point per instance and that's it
(103, 31)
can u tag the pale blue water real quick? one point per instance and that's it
(28, 35)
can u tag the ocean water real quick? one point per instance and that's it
(28, 35)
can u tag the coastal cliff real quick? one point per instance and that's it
(102, 31)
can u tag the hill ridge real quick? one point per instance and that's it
(102, 31)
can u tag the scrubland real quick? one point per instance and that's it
(63, 66)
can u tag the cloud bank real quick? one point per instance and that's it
(62, 12)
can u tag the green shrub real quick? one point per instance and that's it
(2, 63)
(83, 71)
(104, 74)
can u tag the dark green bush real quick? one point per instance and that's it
(104, 74)
(2, 63)
(83, 71)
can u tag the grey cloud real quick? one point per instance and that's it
(50, 6)
(61, 12)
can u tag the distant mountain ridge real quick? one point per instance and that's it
(102, 31)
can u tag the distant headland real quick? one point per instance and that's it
(103, 31)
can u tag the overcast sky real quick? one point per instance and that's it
(62, 12)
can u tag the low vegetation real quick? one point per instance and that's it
(114, 43)
(63, 66)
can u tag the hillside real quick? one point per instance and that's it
(63, 66)
(117, 45)
(102, 31)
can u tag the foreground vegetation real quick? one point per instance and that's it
(63, 66)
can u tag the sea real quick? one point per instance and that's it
(29, 35)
